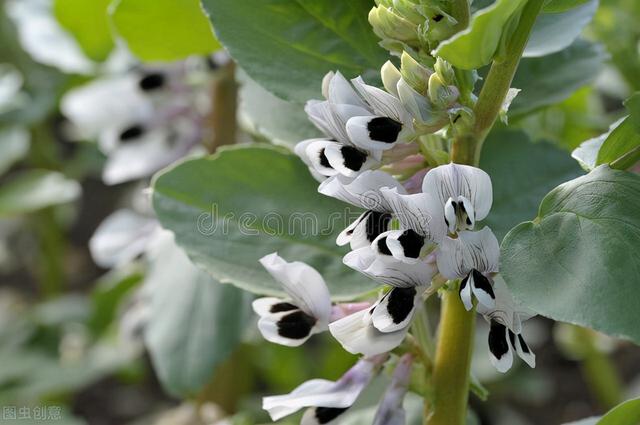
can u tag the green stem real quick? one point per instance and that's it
(452, 364)
(467, 147)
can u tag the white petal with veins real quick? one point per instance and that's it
(470, 250)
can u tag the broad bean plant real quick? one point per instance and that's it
(410, 181)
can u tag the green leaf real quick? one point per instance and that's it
(625, 137)
(555, 31)
(195, 321)
(522, 173)
(14, 145)
(622, 139)
(553, 78)
(279, 121)
(577, 261)
(164, 30)
(627, 413)
(88, 22)
(287, 46)
(477, 45)
(243, 203)
(35, 189)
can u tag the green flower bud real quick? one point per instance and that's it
(444, 71)
(389, 25)
(441, 94)
(390, 77)
(416, 75)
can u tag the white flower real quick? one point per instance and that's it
(363, 192)
(328, 399)
(292, 322)
(382, 327)
(359, 126)
(505, 335)
(472, 257)
(464, 191)
(390, 410)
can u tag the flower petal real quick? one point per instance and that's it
(390, 410)
(290, 328)
(362, 232)
(395, 310)
(465, 294)
(470, 250)
(405, 245)
(303, 284)
(357, 335)
(362, 191)
(390, 271)
(348, 160)
(419, 212)
(482, 289)
(323, 415)
(390, 77)
(506, 310)
(383, 104)
(316, 153)
(523, 350)
(500, 352)
(373, 132)
(340, 91)
(454, 180)
(320, 392)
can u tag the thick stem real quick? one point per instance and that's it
(452, 364)
(467, 147)
(222, 119)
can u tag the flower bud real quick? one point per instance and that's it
(416, 75)
(444, 71)
(389, 25)
(440, 94)
(390, 77)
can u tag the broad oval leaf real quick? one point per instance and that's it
(164, 30)
(194, 324)
(555, 6)
(35, 189)
(264, 114)
(578, 262)
(522, 173)
(555, 31)
(553, 78)
(477, 45)
(626, 413)
(88, 22)
(287, 46)
(231, 209)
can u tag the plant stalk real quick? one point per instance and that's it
(452, 364)
(467, 147)
(222, 119)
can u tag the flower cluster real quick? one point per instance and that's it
(413, 242)
(146, 117)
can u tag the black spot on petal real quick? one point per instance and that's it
(438, 17)
(384, 129)
(131, 133)
(376, 224)
(481, 282)
(152, 81)
(411, 243)
(296, 325)
(324, 415)
(353, 158)
(512, 338)
(382, 246)
(283, 306)
(523, 345)
(498, 344)
(400, 303)
(323, 159)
